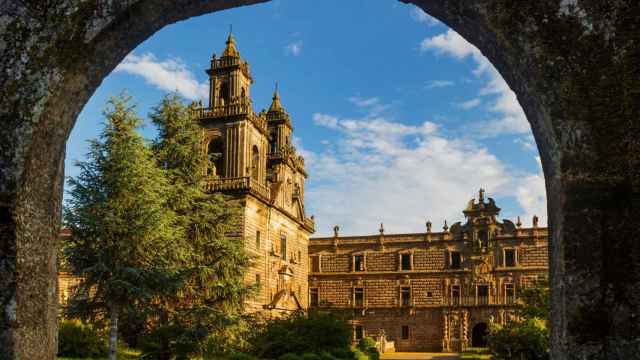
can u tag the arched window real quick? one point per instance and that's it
(255, 163)
(274, 142)
(215, 156)
(224, 93)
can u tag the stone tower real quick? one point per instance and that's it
(251, 158)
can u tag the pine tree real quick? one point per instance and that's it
(212, 265)
(121, 228)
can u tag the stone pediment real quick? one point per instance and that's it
(285, 300)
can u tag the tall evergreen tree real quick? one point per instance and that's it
(209, 302)
(121, 228)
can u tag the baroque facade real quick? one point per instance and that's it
(431, 291)
(252, 159)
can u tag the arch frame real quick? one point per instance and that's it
(578, 90)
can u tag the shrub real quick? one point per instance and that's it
(527, 340)
(76, 339)
(327, 356)
(289, 356)
(366, 343)
(368, 346)
(359, 355)
(299, 334)
(239, 356)
(310, 356)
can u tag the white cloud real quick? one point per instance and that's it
(419, 15)
(169, 75)
(526, 142)
(436, 84)
(294, 48)
(531, 195)
(510, 118)
(470, 104)
(325, 120)
(380, 170)
(373, 106)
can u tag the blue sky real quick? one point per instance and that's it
(399, 118)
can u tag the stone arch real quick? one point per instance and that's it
(215, 157)
(579, 92)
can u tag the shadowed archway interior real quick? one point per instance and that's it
(574, 66)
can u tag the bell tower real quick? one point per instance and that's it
(229, 77)
(252, 160)
(279, 125)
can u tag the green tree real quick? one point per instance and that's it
(535, 300)
(527, 337)
(208, 303)
(121, 228)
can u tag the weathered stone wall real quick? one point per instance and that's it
(573, 64)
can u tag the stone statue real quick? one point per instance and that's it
(428, 226)
(335, 230)
(535, 221)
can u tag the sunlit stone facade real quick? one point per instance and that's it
(252, 159)
(431, 291)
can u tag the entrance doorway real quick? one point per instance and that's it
(478, 335)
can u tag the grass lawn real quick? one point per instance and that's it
(475, 354)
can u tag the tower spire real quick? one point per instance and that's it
(276, 105)
(231, 49)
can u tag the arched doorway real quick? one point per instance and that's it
(479, 335)
(588, 156)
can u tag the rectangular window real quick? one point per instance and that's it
(315, 264)
(483, 294)
(510, 293)
(429, 294)
(258, 240)
(258, 279)
(313, 297)
(358, 263)
(405, 260)
(456, 260)
(405, 296)
(359, 332)
(358, 295)
(509, 257)
(283, 246)
(405, 332)
(299, 256)
(455, 294)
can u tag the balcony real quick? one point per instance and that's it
(480, 300)
(239, 184)
(236, 107)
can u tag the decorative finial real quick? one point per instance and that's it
(336, 229)
(428, 226)
(445, 227)
(276, 105)
(230, 29)
(231, 50)
(535, 221)
(481, 195)
(518, 223)
(381, 228)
